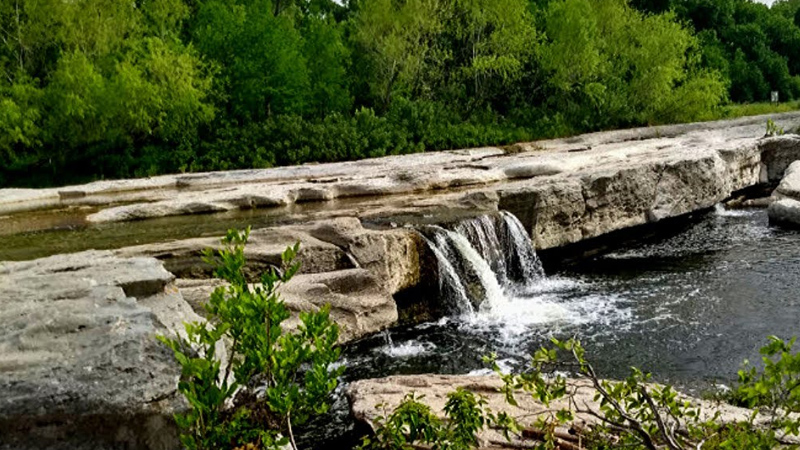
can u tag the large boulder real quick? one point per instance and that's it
(392, 255)
(785, 209)
(789, 186)
(785, 212)
(359, 304)
(80, 366)
(777, 154)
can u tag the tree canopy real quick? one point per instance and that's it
(114, 88)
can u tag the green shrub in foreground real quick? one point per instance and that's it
(633, 413)
(270, 380)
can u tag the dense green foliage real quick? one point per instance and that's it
(113, 88)
(269, 379)
(633, 414)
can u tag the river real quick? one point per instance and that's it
(689, 307)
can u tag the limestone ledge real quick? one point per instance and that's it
(563, 190)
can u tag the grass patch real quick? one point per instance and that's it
(756, 109)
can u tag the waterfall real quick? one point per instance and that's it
(530, 266)
(481, 261)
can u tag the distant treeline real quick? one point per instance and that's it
(117, 88)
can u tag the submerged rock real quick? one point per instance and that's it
(80, 366)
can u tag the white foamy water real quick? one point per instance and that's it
(497, 255)
(407, 349)
(722, 211)
(488, 279)
(514, 320)
(448, 277)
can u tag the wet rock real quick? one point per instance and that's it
(785, 212)
(80, 366)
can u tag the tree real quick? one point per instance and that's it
(325, 50)
(396, 38)
(255, 81)
(488, 44)
(112, 75)
(616, 66)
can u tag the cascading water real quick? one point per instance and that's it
(529, 265)
(481, 260)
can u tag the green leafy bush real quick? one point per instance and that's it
(270, 379)
(777, 385)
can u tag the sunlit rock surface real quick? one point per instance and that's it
(80, 366)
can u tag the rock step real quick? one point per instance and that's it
(359, 305)
(333, 245)
(78, 349)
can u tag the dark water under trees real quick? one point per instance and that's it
(688, 308)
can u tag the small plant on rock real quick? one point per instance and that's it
(412, 424)
(271, 380)
(773, 129)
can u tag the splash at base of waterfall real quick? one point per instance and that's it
(490, 276)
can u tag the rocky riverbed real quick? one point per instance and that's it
(77, 334)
